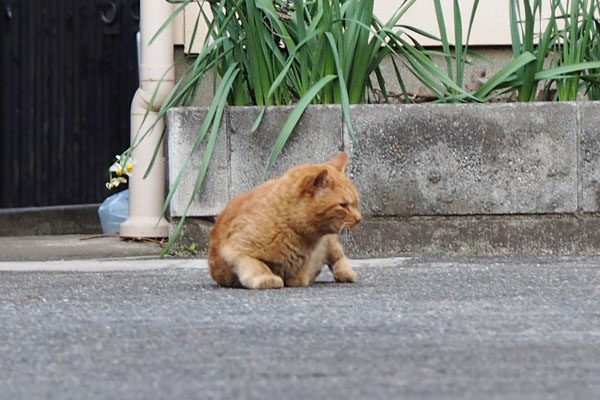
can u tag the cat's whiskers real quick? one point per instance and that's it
(346, 234)
(345, 229)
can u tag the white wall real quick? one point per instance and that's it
(491, 26)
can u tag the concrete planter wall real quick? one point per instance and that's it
(459, 179)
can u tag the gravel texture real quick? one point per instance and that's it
(498, 328)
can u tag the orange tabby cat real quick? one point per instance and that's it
(283, 231)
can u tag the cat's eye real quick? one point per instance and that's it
(344, 205)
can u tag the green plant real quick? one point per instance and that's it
(576, 37)
(564, 48)
(593, 54)
(192, 249)
(447, 85)
(523, 37)
(460, 49)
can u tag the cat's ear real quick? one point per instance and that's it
(339, 162)
(316, 182)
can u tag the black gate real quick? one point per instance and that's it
(68, 73)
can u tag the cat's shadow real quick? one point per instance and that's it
(324, 280)
(324, 283)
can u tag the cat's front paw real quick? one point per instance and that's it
(345, 275)
(266, 282)
(299, 280)
(343, 272)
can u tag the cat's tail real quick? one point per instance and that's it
(220, 271)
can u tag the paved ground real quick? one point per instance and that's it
(411, 328)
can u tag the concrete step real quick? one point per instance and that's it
(54, 220)
(73, 247)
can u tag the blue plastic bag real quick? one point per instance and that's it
(114, 210)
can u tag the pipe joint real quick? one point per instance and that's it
(156, 82)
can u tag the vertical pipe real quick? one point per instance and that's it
(146, 196)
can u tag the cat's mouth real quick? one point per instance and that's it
(351, 225)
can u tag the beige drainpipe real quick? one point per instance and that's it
(146, 196)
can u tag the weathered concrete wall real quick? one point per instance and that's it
(466, 159)
(241, 156)
(458, 178)
(589, 157)
(187, 122)
(318, 136)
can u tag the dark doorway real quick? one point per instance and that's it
(68, 73)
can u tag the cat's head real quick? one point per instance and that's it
(326, 200)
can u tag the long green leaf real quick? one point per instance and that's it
(502, 75)
(218, 108)
(293, 119)
(565, 70)
(209, 120)
(529, 88)
(443, 35)
(458, 44)
(343, 89)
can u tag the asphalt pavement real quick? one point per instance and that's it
(142, 328)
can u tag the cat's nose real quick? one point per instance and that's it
(358, 220)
